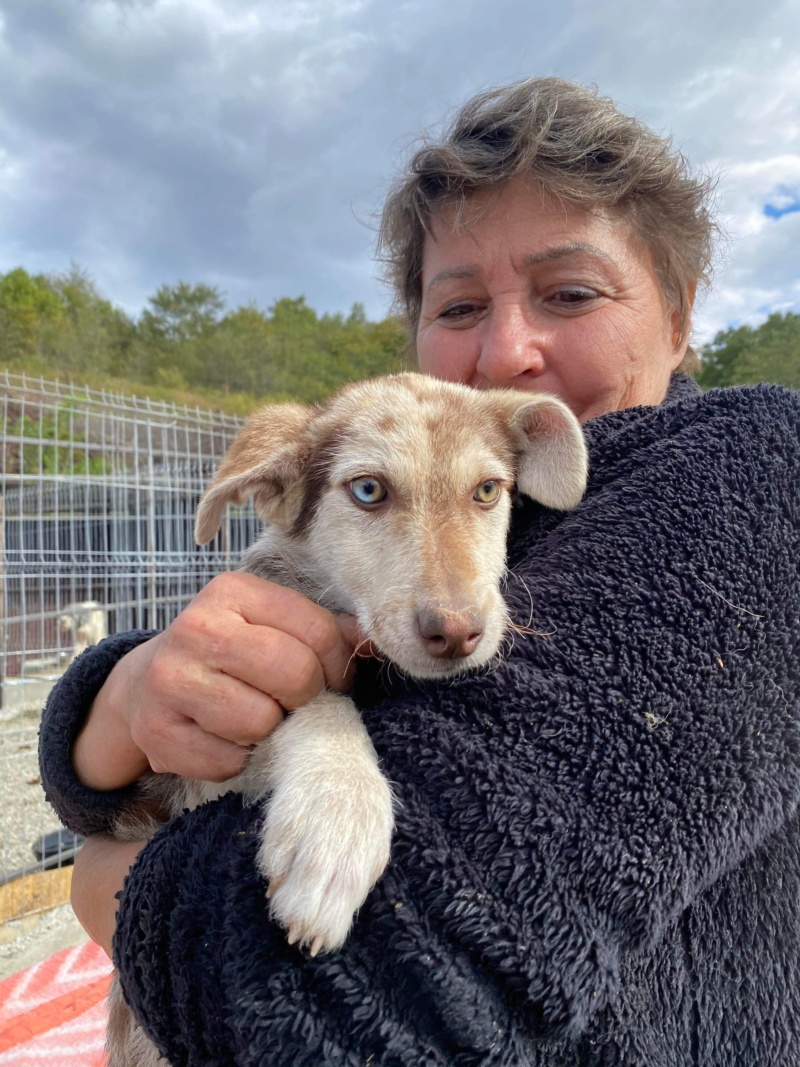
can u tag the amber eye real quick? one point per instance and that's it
(367, 491)
(487, 492)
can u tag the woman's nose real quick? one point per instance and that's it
(511, 346)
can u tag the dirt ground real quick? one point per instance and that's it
(24, 942)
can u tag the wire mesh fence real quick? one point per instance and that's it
(97, 496)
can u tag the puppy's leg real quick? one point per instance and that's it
(328, 822)
(127, 1045)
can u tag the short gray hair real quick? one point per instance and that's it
(584, 151)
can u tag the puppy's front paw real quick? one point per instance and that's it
(324, 844)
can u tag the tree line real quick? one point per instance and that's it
(187, 341)
(745, 355)
(187, 345)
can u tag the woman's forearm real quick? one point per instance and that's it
(100, 871)
(84, 809)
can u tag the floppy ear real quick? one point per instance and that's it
(264, 461)
(553, 461)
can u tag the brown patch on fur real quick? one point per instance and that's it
(467, 421)
(317, 479)
(386, 424)
(497, 431)
(265, 430)
(449, 565)
(498, 436)
(415, 384)
(432, 424)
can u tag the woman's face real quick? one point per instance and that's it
(530, 294)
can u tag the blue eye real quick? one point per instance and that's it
(368, 491)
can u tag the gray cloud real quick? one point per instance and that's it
(248, 143)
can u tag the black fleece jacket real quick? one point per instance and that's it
(597, 857)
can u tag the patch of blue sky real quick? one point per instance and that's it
(784, 202)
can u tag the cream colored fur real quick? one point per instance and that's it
(86, 624)
(420, 570)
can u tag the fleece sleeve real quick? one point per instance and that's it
(637, 742)
(82, 810)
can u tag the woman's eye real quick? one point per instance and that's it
(573, 297)
(458, 312)
(487, 492)
(367, 490)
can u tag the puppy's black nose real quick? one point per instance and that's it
(450, 634)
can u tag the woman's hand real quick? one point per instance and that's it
(195, 698)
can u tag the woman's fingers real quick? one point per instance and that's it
(275, 613)
(199, 651)
(195, 698)
(214, 741)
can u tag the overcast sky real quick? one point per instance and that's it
(249, 144)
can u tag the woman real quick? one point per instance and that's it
(596, 858)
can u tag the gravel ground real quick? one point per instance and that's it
(24, 813)
(25, 816)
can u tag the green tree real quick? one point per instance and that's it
(169, 330)
(186, 340)
(292, 316)
(95, 336)
(28, 304)
(744, 355)
(182, 312)
(775, 357)
(239, 355)
(357, 316)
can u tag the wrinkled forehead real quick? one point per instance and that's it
(453, 435)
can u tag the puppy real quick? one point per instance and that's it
(390, 502)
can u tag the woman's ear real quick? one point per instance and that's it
(682, 324)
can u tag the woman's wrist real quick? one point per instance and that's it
(104, 755)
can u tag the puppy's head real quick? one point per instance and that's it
(396, 494)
